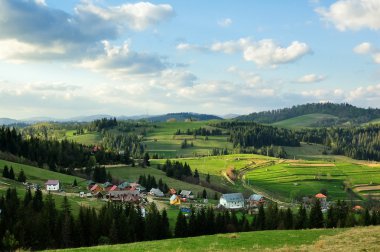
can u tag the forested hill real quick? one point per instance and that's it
(184, 116)
(344, 111)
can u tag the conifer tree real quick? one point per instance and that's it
(165, 231)
(180, 229)
(302, 221)
(316, 215)
(11, 174)
(21, 176)
(6, 172)
(288, 219)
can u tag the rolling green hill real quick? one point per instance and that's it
(305, 121)
(345, 112)
(353, 239)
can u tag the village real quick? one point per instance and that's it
(134, 193)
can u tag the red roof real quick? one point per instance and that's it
(94, 187)
(320, 196)
(113, 188)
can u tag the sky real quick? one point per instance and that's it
(72, 58)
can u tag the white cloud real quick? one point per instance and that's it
(120, 60)
(365, 94)
(311, 78)
(263, 53)
(268, 53)
(225, 22)
(368, 48)
(363, 48)
(352, 14)
(39, 32)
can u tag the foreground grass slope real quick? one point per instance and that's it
(353, 239)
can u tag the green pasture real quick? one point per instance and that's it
(304, 121)
(287, 181)
(248, 241)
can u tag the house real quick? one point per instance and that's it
(255, 200)
(124, 196)
(156, 192)
(113, 188)
(187, 194)
(172, 191)
(232, 200)
(52, 185)
(96, 188)
(323, 199)
(140, 188)
(107, 185)
(175, 200)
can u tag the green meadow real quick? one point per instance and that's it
(303, 121)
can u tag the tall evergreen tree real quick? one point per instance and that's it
(11, 174)
(316, 215)
(6, 172)
(302, 220)
(180, 229)
(21, 176)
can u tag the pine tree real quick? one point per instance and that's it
(208, 178)
(21, 176)
(180, 229)
(28, 197)
(302, 221)
(146, 159)
(165, 231)
(196, 176)
(259, 223)
(288, 219)
(75, 183)
(366, 218)
(11, 174)
(37, 201)
(204, 194)
(6, 172)
(316, 215)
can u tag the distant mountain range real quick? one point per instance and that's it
(306, 115)
(153, 118)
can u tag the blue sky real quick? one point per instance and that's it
(70, 58)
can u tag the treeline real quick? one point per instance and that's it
(356, 142)
(200, 132)
(130, 143)
(37, 224)
(251, 134)
(344, 111)
(55, 154)
(150, 182)
(104, 123)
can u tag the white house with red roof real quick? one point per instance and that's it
(52, 185)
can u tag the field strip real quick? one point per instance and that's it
(310, 165)
(366, 188)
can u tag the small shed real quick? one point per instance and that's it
(187, 194)
(52, 185)
(232, 200)
(156, 192)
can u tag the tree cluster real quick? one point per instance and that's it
(37, 224)
(176, 169)
(150, 182)
(200, 132)
(104, 123)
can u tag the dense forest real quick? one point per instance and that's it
(182, 117)
(53, 153)
(36, 223)
(247, 134)
(356, 142)
(345, 112)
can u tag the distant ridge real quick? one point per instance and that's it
(183, 116)
(344, 112)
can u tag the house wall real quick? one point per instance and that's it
(52, 187)
(231, 204)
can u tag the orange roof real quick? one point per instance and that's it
(357, 207)
(320, 196)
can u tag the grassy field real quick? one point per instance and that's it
(161, 140)
(248, 241)
(304, 121)
(288, 179)
(91, 138)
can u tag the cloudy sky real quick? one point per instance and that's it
(70, 58)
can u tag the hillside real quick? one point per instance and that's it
(353, 239)
(345, 113)
(306, 121)
(182, 117)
